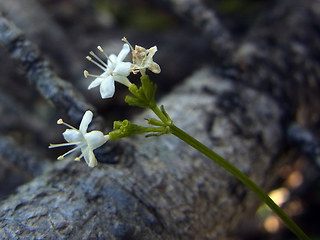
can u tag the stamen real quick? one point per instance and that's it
(67, 153)
(60, 121)
(101, 50)
(87, 74)
(126, 41)
(55, 145)
(96, 63)
(78, 158)
(99, 59)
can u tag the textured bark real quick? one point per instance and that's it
(163, 189)
(17, 11)
(37, 69)
(207, 21)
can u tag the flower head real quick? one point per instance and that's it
(114, 70)
(84, 141)
(143, 59)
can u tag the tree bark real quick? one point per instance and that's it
(163, 189)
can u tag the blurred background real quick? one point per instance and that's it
(66, 30)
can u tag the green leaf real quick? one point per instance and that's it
(149, 88)
(134, 90)
(165, 112)
(133, 101)
(156, 122)
(144, 95)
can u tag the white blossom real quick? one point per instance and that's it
(84, 141)
(114, 70)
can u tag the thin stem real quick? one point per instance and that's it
(229, 167)
(153, 129)
(160, 115)
(241, 176)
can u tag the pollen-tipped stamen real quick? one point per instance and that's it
(101, 50)
(79, 158)
(55, 145)
(96, 63)
(60, 121)
(99, 59)
(87, 74)
(127, 42)
(67, 153)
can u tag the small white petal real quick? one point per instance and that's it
(112, 60)
(95, 139)
(95, 82)
(124, 80)
(89, 157)
(124, 52)
(122, 68)
(152, 51)
(107, 87)
(86, 120)
(72, 136)
(155, 68)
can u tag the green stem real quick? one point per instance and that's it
(232, 169)
(160, 115)
(241, 176)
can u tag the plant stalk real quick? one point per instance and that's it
(242, 177)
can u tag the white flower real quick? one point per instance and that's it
(115, 70)
(86, 142)
(143, 59)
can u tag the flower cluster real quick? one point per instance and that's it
(82, 140)
(114, 70)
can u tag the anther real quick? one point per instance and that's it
(101, 50)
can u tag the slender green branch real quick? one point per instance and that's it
(144, 97)
(125, 128)
(242, 177)
(162, 115)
